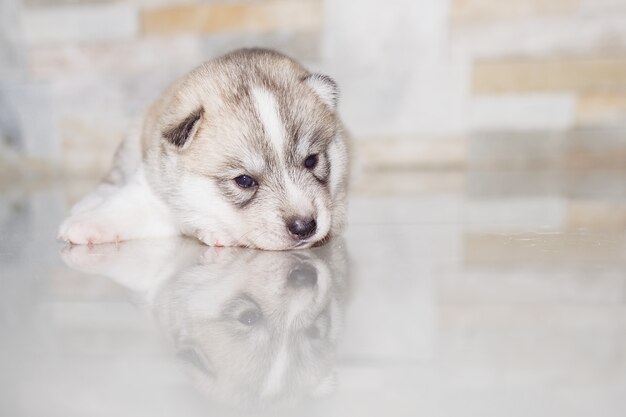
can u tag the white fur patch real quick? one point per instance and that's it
(325, 88)
(132, 211)
(267, 108)
(275, 379)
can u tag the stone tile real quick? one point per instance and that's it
(577, 149)
(522, 112)
(87, 23)
(144, 4)
(602, 6)
(516, 214)
(512, 183)
(532, 327)
(596, 215)
(410, 152)
(253, 17)
(596, 184)
(156, 4)
(387, 90)
(410, 208)
(608, 248)
(93, 113)
(304, 46)
(83, 137)
(555, 339)
(550, 75)
(568, 35)
(581, 158)
(601, 110)
(403, 183)
(595, 148)
(11, 48)
(88, 156)
(85, 164)
(516, 150)
(119, 59)
(56, 3)
(533, 286)
(597, 139)
(485, 10)
(29, 112)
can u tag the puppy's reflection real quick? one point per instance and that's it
(252, 328)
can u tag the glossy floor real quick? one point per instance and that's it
(450, 294)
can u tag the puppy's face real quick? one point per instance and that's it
(261, 162)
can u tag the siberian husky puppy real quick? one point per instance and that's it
(245, 150)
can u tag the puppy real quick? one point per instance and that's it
(245, 150)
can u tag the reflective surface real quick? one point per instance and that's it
(474, 294)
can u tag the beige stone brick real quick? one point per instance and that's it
(27, 119)
(254, 17)
(588, 149)
(543, 111)
(114, 59)
(596, 215)
(521, 150)
(549, 36)
(601, 109)
(602, 6)
(583, 158)
(481, 10)
(515, 215)
(543, 75)
(87, 147)
(545, 248)
(402, 183)
(410, 152)
(74, 131)
(87, 23)
(304, 46)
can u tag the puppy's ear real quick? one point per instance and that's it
(325, 87)
(181, 134)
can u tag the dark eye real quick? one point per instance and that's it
(245, 181)
(310, 161)
(249, 317)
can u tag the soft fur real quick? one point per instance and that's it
(252, 112)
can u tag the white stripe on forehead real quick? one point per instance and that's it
(267, 108)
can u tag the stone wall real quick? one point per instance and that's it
(419, 78)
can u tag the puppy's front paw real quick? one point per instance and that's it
(218, 240)
(85, 230)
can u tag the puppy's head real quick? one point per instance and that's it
(251, 152)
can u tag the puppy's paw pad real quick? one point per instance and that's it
(216, 240)
(85, 231)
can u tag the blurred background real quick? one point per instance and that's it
(435, 84)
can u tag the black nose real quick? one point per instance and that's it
(302, 228)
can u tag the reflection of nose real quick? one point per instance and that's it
(304, 275)
(301, 227)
